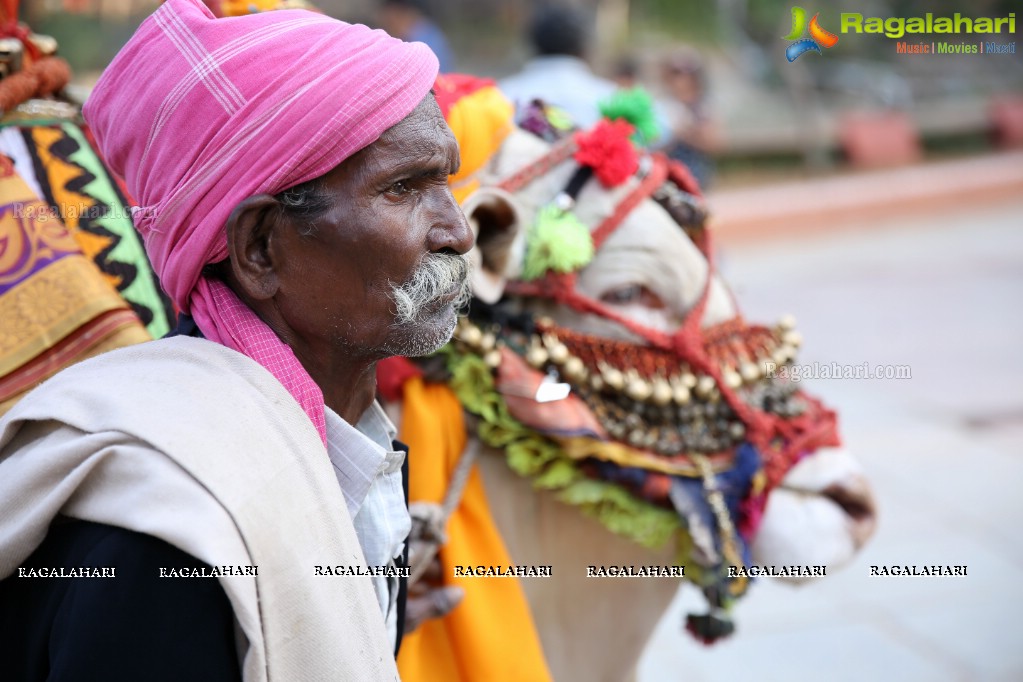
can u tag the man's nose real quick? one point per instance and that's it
(451, 230)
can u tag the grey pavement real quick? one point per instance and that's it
(941, 293)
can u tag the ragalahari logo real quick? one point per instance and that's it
(818, 36)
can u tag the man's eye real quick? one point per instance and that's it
(631, 294)
(400, 187)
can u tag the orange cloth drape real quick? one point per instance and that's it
(480, 117)
(490, 636)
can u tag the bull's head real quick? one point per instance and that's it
(673, 394)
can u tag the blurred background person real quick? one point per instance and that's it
(411, 21)
(627, 72)
(634, 102)
(692, 135)
(559, 73)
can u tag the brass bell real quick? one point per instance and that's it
(575, 369)
(704, 386)
(536, 356)
(471, 335)
(612, 377)
(47, 45)
(661, 392)
(559, 353)
(11, 55)
(731, 378)
(749, 371)
(492, 358)
(638, 388)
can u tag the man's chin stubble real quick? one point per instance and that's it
(412, 340)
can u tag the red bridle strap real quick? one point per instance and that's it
(556, 155)
(647, 186)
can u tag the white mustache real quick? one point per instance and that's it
(434, 279)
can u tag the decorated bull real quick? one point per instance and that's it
(619, 413)
(615, 376)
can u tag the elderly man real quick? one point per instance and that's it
(291, 173)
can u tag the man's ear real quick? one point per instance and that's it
(250, 229)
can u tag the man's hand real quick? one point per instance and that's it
(428, 598)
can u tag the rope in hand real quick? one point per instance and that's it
(434, 518)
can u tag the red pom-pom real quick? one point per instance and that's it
(607, 149)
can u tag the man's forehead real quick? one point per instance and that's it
(421, 138)
(426, 114)
(423, 131)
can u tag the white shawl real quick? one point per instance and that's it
(195, 444)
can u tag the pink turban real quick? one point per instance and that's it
(199, 113)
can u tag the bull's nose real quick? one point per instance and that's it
(856, 499)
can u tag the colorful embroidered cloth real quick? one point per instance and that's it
(57, 160)
(56, 306)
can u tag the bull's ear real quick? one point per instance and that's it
(500, 241)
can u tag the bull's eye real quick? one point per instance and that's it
(633, 294)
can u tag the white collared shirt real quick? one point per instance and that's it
(369, 473)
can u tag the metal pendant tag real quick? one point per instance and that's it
(550, 389)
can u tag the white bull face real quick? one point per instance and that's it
(650, 271)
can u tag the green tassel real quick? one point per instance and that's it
(637, 107)
(558, 242)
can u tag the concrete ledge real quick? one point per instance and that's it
(810, 206)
